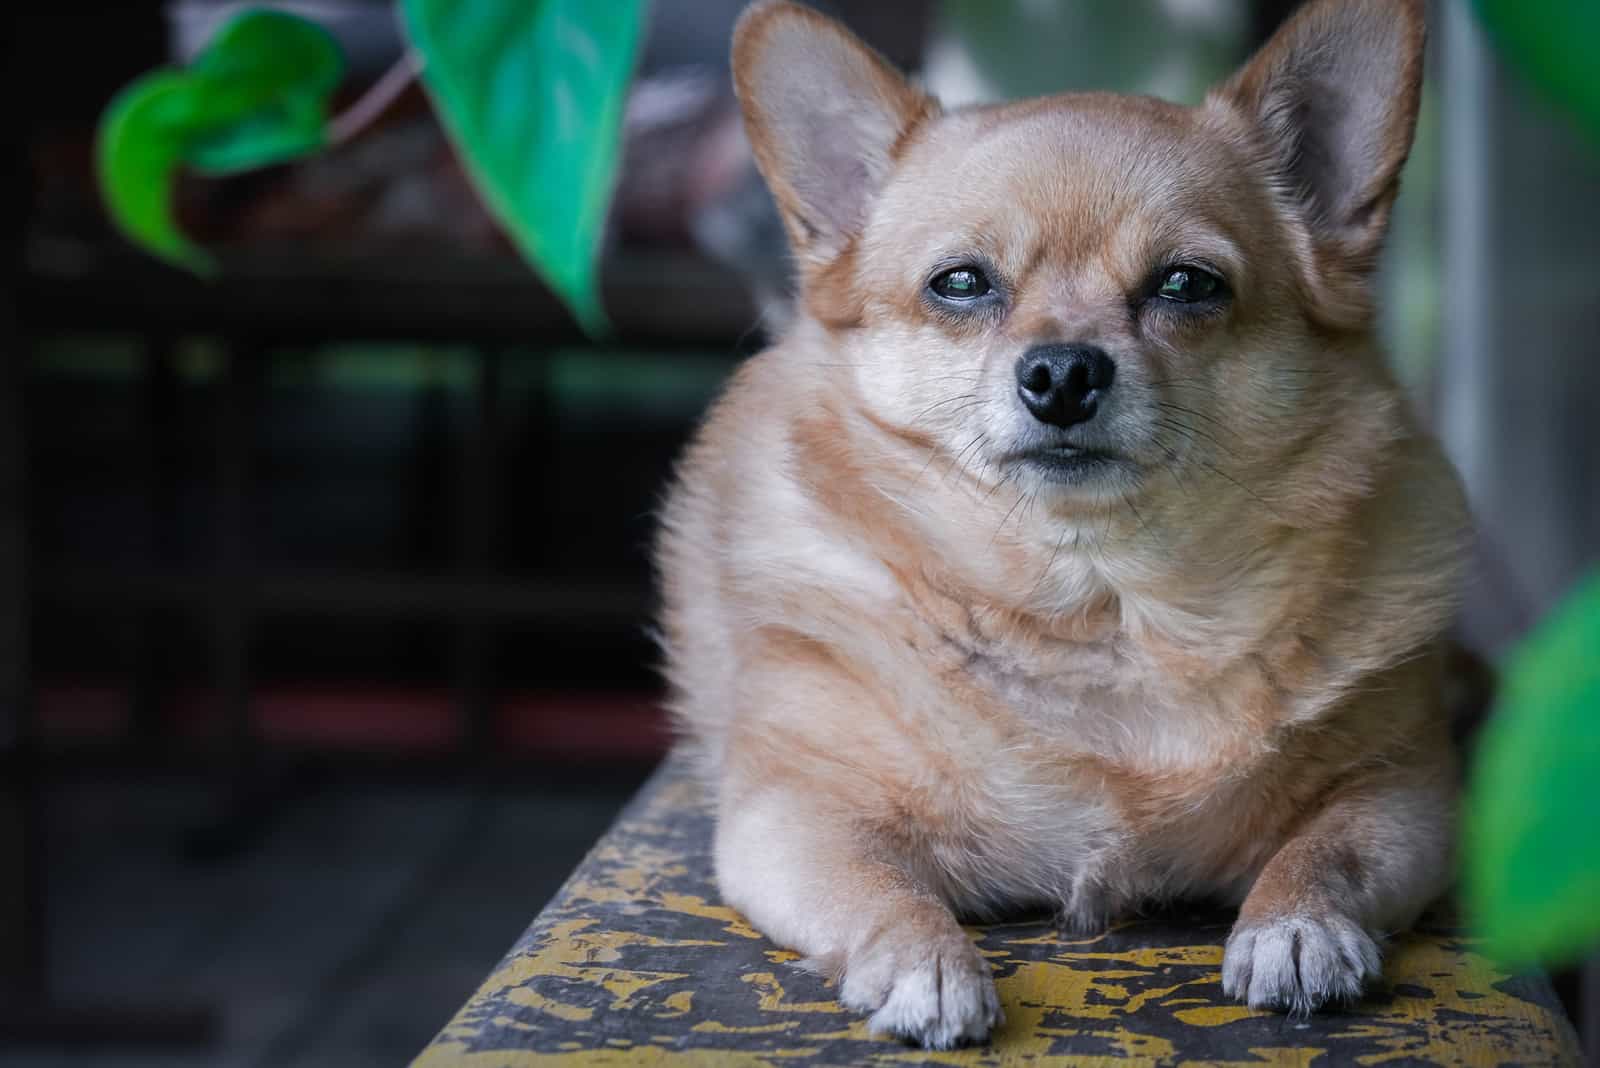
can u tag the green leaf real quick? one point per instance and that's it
(257, 95)
(140, 146)
(269, 76)
(532, 92)
(1532, 848)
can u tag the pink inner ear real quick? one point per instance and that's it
(823, 112)
(1337, 130)
(1337, 91)
(832, 177)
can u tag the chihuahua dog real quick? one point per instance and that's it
(1073, 549)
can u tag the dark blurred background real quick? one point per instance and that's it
(325, 642)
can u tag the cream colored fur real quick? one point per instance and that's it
(928, 682)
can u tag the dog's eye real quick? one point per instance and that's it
(960, 283)
(1189, 285)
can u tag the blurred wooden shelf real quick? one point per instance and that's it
(351, 717)
(311, 593)
(656, 300)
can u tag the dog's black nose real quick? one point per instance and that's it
(1062, 384)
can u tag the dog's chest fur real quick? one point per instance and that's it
(1093, 778)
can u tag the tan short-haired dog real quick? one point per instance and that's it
(1074, 548)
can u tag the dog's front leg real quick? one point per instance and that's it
(1365, 865)
(815, 880)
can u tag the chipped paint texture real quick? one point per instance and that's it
(636, 962)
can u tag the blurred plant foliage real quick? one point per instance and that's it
(1531, 844)
(1010, 49)
(530, 91)
(1532, 878)
(1553, 44)
(258, 95)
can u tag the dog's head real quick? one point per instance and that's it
(1100, 295)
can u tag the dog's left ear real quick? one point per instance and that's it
(1334, 97)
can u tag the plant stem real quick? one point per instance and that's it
(358, 116)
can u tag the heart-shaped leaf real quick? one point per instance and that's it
(1532, 819)
(272, 75)
(257, 95)
(532, 92)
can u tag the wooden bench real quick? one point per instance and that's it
(636, 962)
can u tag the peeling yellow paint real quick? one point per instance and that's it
(773, 998)
(530, 998)
(1214, 1015)
(640, 1056)
(856, 1032)
(1052, 938)
(712, 1027)
(573, 951)
(1155, 956)
(691, 905)
(515, 1025)
(1272, 1056)
(677, 1004)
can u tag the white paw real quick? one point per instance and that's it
(1298, 963)
(940, 995)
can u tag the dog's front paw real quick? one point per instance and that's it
(939, 994)
(1298, 963)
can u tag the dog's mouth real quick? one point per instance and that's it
(1061, 462)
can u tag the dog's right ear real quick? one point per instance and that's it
(1334, 97)
(824, 114)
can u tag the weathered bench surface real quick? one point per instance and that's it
(636, 962)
